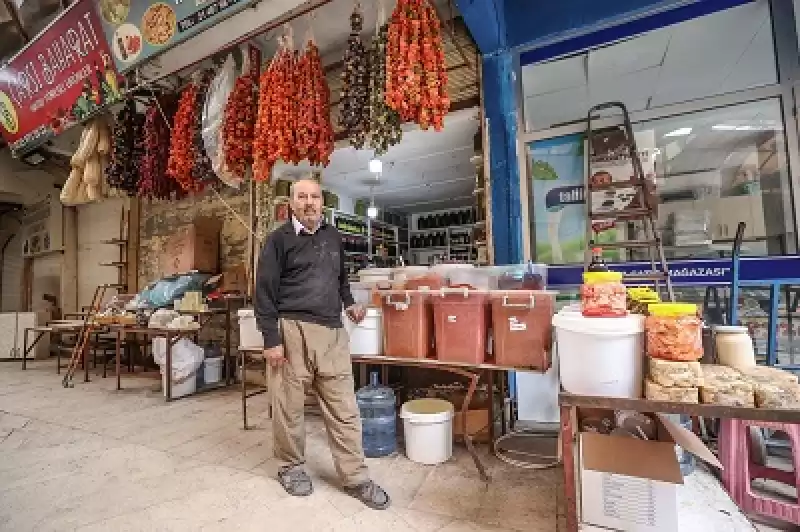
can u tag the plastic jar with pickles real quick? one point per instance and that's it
(603, 295)
(674, 332)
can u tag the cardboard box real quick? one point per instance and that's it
(234, 279)
(477, 425)
(194, 247)
(631, 485)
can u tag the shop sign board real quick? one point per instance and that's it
(138, 30)
(695, 272)
(62, 78)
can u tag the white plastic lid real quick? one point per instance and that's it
(731, 329)
(427, 411)
(576, 322)
(375, 271)
(247, 313)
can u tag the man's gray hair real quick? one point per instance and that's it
(311, 176)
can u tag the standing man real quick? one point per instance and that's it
(301, 289)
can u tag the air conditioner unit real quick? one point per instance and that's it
(43, 227)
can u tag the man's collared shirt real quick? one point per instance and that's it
(299, 228)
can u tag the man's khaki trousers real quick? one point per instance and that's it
(317, 357)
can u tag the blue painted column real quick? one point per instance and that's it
(500, 107)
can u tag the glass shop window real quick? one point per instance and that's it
(712, 170)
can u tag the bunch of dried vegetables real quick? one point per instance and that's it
(354, 110)
(154, 182)
(123, 172)
(384, 122)
(416, 78)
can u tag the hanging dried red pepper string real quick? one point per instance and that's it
(416, 77)
(182, 148)
(239, 126)
(293, 121)
(154, 182)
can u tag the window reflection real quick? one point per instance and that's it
(724, 52)
(717, 168)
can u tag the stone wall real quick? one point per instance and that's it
(160, 220)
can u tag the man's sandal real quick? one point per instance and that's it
(295, 481)
(370, 494)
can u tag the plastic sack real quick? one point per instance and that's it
(162, 318)
(186, 357)
(219, 90)
(164, 292)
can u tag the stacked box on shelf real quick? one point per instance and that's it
(677, 381)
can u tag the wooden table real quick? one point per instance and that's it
(172, 336)
(57, 328)
(570, 404)
(471, 371)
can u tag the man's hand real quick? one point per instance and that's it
(356, 312)
(274, 356)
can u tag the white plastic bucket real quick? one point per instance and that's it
(600, 356)
(428, 430)
(249, 336)
(180, 388)
(366, 338)
(212, 373)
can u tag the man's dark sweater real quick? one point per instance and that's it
(301, 277)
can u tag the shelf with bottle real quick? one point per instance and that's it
(430, 248)
(429, 240)
(442, 220)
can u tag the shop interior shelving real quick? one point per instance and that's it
(378, 235)
(450, 249)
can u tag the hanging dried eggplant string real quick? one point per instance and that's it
(354, 110)
(122, 174)
(384, 122)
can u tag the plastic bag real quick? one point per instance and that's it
(164, 292)
(219, 90)
(186, 357)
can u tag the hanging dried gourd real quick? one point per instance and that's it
(182, 149)
(154, 182)
(239, 126)
(384, 122)
(354, 110)
(416, 77)
(122, 173)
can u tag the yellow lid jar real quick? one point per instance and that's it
(674, 332)
(603, 295)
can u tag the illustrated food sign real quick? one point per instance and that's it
(61, 78)
(140, 29)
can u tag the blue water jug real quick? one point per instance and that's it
(378, 418)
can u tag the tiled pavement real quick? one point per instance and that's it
(92, 458)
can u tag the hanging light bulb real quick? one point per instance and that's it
(372, 210)
(375, 166)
